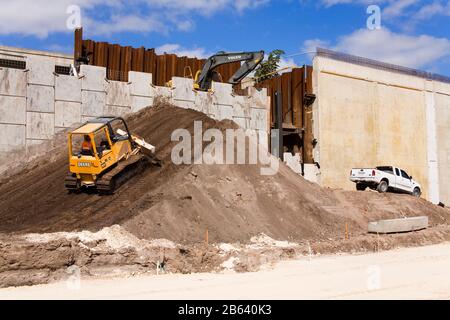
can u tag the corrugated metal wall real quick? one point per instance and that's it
(120, 59)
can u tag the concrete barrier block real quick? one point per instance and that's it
(183, 90)
(93, 103)
(138, 103)
(312, 172)
(68, 88)
(40, 98)
(140, 83)
(40, 126)
(13, 82)
(293, 162)
(118, 94)
(67, 113)
(398, 225)
(116, 111)
(258, 119)
(41, 70)
(223, 93)
(12, 137)
(13, 110)
(93, 78)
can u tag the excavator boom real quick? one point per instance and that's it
(251, 61)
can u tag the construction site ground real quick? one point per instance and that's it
(161, 217)
(412, 273)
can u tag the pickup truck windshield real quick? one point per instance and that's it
(386, 169)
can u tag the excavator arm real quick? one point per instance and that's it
(251, 61)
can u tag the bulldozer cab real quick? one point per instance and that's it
(103, 154)
(98, 145)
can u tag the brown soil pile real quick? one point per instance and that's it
(180, 203)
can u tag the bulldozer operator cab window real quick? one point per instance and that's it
(102, 144)
(119, 130)
(81, 145)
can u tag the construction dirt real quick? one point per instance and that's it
(44, 229)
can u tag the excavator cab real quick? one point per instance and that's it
(100, 151)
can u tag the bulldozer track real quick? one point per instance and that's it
(71, 183)
(112, 180)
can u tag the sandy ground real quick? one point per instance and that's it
(414, 273)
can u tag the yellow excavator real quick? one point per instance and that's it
(203, 78)
(103, 154)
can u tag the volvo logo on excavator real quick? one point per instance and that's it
(235, 58)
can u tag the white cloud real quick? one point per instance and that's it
(181, 51)
(397, 8)
(384, 45)
(40, 18)
(433, 9)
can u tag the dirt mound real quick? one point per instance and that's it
(180, 203)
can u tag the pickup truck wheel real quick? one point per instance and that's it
(417, 193)
(383, 187)
(361, 187)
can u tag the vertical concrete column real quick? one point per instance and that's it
(67, 101)
(432, 148)
(141, 90)
(13, 113)
(93, 91)
(40, 100)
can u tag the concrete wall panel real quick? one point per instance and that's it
(223, 93)
(40, 126)
(41, 70)
(13, 110)
(443, 141)
(67, 113)
(140, 83)
(93, 103)
(116, 111)
(223, 112)
(13, 82)
(138, 103)
(68, 88)
(364, 123)
(183, 90)
(12, 137)
(258, 119)
(118, 94)
(40, 98)
(93, 78)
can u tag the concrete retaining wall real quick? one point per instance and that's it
(36, 104)
(364, 117)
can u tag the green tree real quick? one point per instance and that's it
(267, 69)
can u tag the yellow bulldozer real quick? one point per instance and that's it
(103, 154)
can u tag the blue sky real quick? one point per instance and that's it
(414, 33)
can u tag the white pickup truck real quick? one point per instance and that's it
(386, 178)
